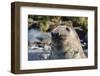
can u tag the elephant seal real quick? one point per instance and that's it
(66, 43)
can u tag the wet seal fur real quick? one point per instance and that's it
(66, 43)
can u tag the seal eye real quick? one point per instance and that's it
(67, 29)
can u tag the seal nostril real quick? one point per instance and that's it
(57, 34)
(52, 34)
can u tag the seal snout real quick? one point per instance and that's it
(57, 35)
(54, 34)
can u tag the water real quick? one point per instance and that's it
(38, 55)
